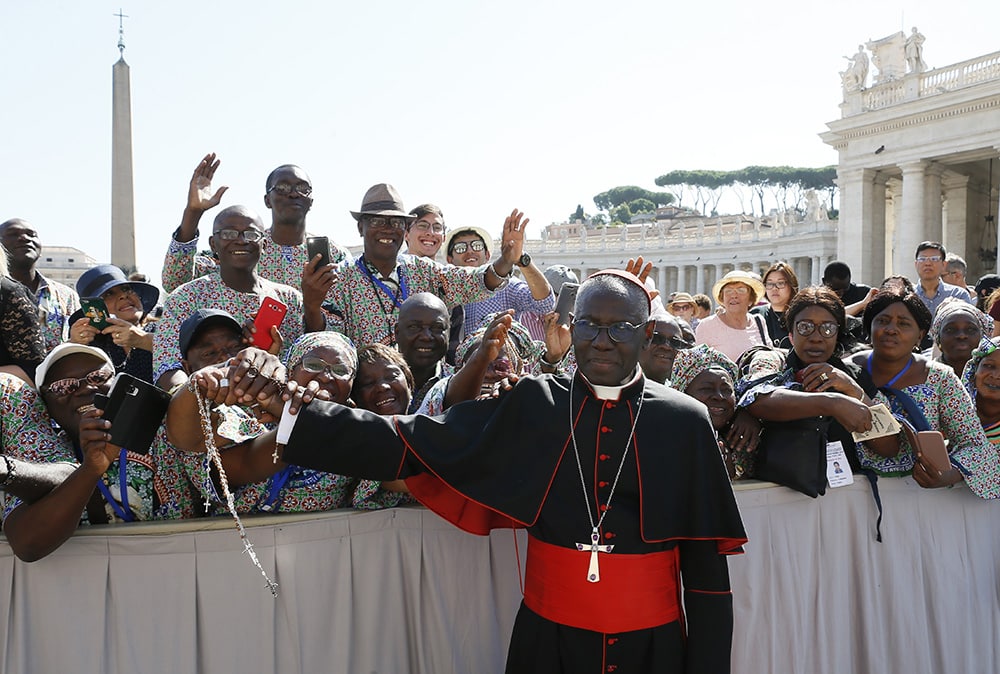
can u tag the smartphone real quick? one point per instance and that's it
(318, 245)
(567, 298)
(271, 313)
(96, 310)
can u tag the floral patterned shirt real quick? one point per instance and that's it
(210, 291)
(293, 489)
(949, 409)
(152, 481)
(21, 341)
(56, 303)
(278, 263)
(358, 308)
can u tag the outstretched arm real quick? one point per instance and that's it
(31, 481)
(34, 530)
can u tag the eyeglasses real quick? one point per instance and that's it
(776, 285)
(826, 328)
(63, 388)
(659, 339)
(618, 332)
(284, 189)
(463, 246)
(318, 365)
(928, 258)
(424, 226)
(249, 235)
(383, 222)
(681, 306)
(734, 288)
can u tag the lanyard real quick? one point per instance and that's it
(280, 481)
(403, 290)
(122, 510)
(898, 374)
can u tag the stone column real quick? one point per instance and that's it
(861, 243)
(932, 204)
(911, 221)
(699, 284)
(956, 197)
(661, 279)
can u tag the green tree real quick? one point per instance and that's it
(640, 205)
(621, 214)
(617, 196)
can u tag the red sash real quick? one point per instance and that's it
(635, 591)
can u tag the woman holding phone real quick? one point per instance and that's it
(111, 319)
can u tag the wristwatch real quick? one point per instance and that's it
(524, 260)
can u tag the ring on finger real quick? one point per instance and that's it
(824, 377)
(252, 372)
(224, 382)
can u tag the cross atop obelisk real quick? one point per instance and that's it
(121, 32)
(122, 204)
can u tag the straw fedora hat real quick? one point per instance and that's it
(747, 278)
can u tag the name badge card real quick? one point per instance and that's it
(838, 471)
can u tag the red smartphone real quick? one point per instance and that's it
(270, 314)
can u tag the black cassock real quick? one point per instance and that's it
(510, 462)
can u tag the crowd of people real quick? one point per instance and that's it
(395, 342)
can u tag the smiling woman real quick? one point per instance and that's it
(123, 335)
(734, 330)
(897, 322)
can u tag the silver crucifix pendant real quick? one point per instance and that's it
(594, 571)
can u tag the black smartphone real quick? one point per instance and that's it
(135, 409)
(318, 245)
(96, 310)
(567, 298)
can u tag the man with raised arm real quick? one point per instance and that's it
(362, 298)
(287, 194)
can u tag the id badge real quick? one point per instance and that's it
(838, 470)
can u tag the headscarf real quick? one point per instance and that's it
(315, 340)
(689, 363)
(987, 346)
(525, 349)
(952, 306)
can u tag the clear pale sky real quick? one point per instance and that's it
(478, 107)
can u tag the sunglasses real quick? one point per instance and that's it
(659, 339)
(63, 388)
(463, 246)
(318, 366)
(826, 328)
(383, 222)
(285, 189)
(618, 332)
(249, 235)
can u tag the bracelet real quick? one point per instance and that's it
(11, 473)
(541, 359)
(500, 276)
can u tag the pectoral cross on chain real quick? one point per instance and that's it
(594, 572)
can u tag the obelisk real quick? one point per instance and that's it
(122, 203)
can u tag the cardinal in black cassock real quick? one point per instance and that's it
(618, 480)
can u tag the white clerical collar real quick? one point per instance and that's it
(612, 392)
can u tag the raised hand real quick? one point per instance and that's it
(512, 240)
(200, 197)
